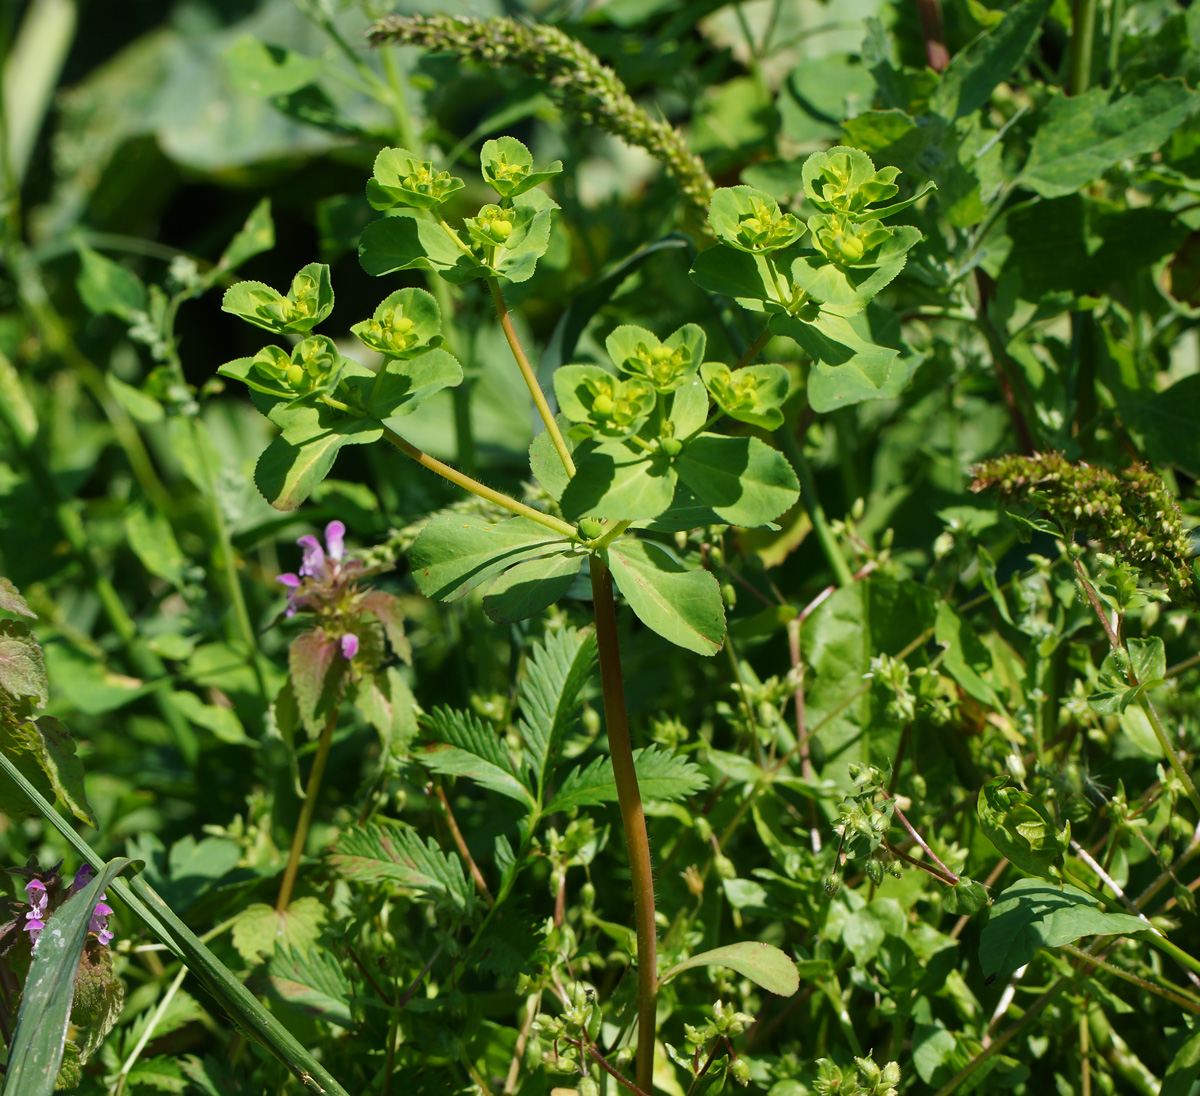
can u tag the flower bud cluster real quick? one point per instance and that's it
(1132, 513)
(866, 1079)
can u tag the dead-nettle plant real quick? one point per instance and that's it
(630, 458)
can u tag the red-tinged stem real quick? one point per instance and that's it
(633, 818)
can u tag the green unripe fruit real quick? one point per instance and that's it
(590, 528)
(502, 229)
(739, 1070)
(671, 446)
(729, 595)
(603, 405)
(295, 375)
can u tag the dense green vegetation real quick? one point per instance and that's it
(743, 461)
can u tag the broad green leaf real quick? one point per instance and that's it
(1184, 1069)
(22, 668)
(858, 357)
(840, 639)
(689, 406)
(548, 700)
(260, 930)
(141, 406)
(152, 539)
(1147, 659)
(1167, 420)
(682, 606)
(967, 660)
(852, 287)
(223, 722)
(532, 212)
(1082, 136)
(743, 480)
(301, 457)
(966, 898)
(36, 1050)
(473, 749)
(763, 964)
(403, 385)
(1021, 828)
(744, 277)
(312, 981)
(973, 73)
(105, 286)
(387, 852)
(254, 237)
(388, 703)
(456, 552)
(661, 775)
(545, 463)
(614, 481)
(1034, 914)
(528, 588)
(266, 71)
(507, 167)
(405, 242)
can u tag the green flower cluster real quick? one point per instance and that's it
(1131, 513)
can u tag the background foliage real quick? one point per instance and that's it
(1004, 696)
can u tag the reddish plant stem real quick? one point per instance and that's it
(463, 851)
(633, 818)
(937, 56)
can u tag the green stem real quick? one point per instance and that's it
(1170, 752)
(531, 381)
(155, 1020)
(816, 513)
(476, 488)
(1083, 33)
(755, 349)
(306, 811)
(616, 721)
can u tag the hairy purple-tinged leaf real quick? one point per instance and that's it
(311, 980)
(11, 600)
(22, 670)
(315, 669)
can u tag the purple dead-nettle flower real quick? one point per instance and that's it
(35, 919)
(99, 921)
(327, 584)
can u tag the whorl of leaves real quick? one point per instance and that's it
(575, 77)
(1131, 513)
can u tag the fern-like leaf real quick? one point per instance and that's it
(549, 697)
(386, 852)
(473, 749)
(661, 775)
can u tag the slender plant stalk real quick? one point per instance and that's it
(306, 811)
(531, 381)
(136, 1053)
(1083, 34)
(1133, 979)
(476, 488)
(461, 844)
(633, 818)
(812, 503)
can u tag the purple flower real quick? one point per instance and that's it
(349, 645)
(99, 921)
(35, 919)
(82, 878)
